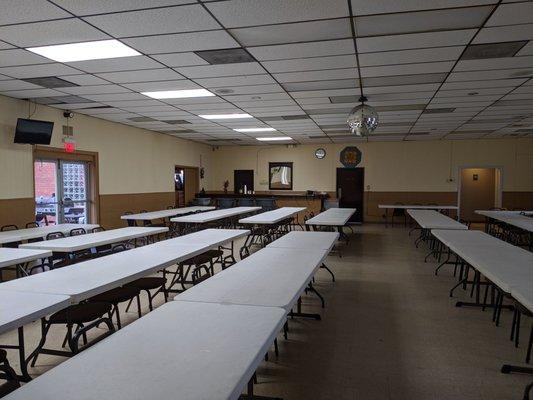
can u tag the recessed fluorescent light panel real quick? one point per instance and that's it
(274, 139)
(225, 116)
(85, 51)
(244, 130)
(178, 94)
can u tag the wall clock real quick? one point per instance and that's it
(320, 153)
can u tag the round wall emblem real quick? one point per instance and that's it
(350, 157)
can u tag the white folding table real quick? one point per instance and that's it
(162, 214)
(308, 241)
(20, 308)
(273, 277)
(518, 219)
(21, 235)
(167, 354)
(18, 257)
(268, 225)
(214, 215)
(333, 218)
(82, 242)
(388, 207)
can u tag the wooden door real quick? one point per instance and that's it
(191, 183)
(350, 190)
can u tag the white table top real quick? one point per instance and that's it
(523, 293)
(272, 277)
(272, 217)
(501, 262)
(510, 217)
(10, 257)
(90, 240)
(149, 216)
(212, 237)
(430, 219)
(332, 217)
(21, 235)
(418, 207)
(306, 240)
(19, 308)
(214, 215)
(189, 351)
(89, 278)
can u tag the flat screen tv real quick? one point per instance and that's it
(32, 131)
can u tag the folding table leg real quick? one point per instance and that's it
(299, 312)
(24, 375)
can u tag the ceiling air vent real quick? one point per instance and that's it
(141, 119)
(438, 110)
(225, 56)
(176, 121)
(50, 82)
(492, 50)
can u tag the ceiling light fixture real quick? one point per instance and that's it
(274, 139)
(363, 119)
(244, 130)
(85, 51)
(225, 116)
(178, 94)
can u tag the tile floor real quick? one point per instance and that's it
(389, 331)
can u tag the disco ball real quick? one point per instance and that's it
(363, 120)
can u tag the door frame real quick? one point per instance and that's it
(500, 168)
(180, 166)
(91, 157)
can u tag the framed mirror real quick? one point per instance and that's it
(280, 176)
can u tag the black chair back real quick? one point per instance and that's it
(32, 224)
(6, 228)
(246, 202)
(77, 232)
(226, 203)
(268, 204)
(55, 235)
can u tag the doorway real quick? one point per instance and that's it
(350, 190)
(479, 189)
(243, 178)
(186, 184)
(62, 192)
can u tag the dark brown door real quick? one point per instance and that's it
(242, 177)
(350, 190)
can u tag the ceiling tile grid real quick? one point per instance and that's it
(293, 65)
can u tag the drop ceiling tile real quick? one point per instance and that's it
(146, 75)
(135, 103)
(180, 59)
(320, 85)
(512, 14)
(17, 57)
(362, 7)
(4, 46)
(256, 97)
(410, 22)
(234, 69)
(403, 79)
(290, 33)
(116, 64)
(115, 96)
(235, 81)
(325, 93)
(34, 93)
(139, 109)
(265, 103)
(495, 63)
(482, 84)
(98, 89)
(16, 11)
(421, 68)
(527, 50)
(488, 75)
(466, 92)
(310, 64)
(425, 87)
(38, 70)
(155, 21)
(511, 33)
(50, 32)
(411, 56)
(182, 42)
(84, 79)
(161, 85)
(197, 100)
(415, 40)
(330, 74)
(302, 50)
(107, 6)
(15, 84)
(237, 13)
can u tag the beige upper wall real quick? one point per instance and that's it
(389, 166)
(132, 160)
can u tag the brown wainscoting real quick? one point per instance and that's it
(17, 211)
(373, 199)
(519, 200)
(112, 206)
